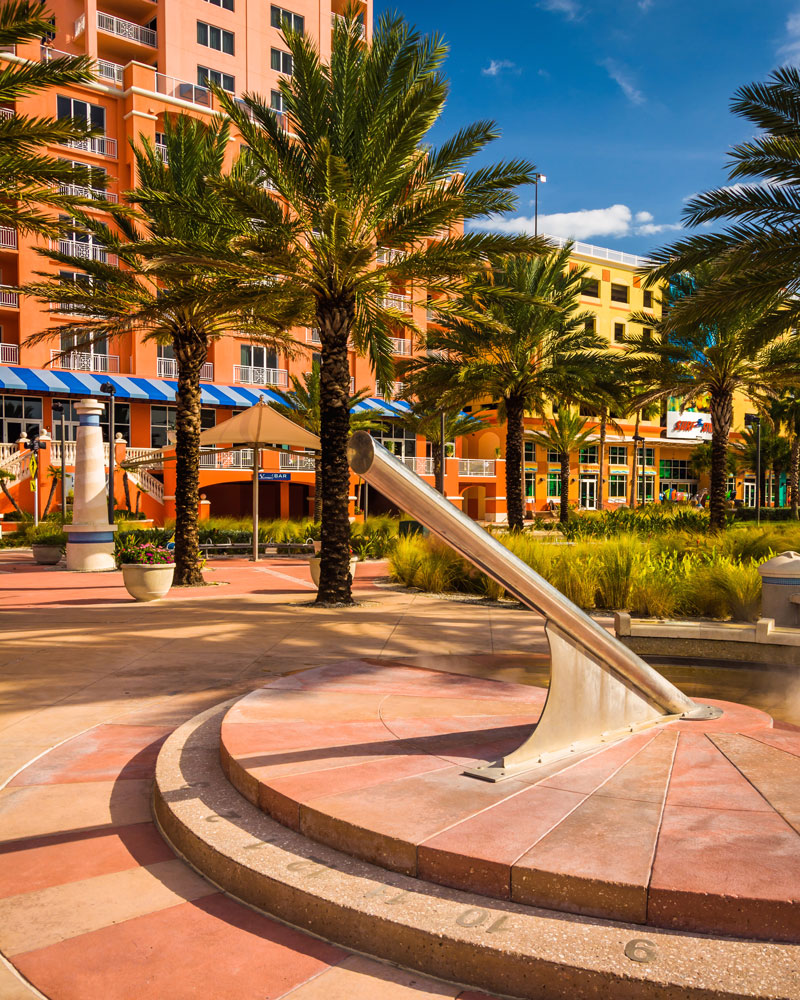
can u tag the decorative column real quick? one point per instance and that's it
(90, 547)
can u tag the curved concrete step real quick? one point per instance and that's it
(504, 947)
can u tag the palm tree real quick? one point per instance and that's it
(567, 433)
(354, 173)
(757, 255)
(301, 404)
(5, 478)
(688, 360)
(426, 420)
(785, 412)
(148, 297)
(769, 450)
(54, 472)
(519, 340)
(29, 178)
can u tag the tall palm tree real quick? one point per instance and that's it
(29, 178)
(301, 404)
(785, 412)
(567, 434)
(146, 296)
(520, 340)
(687, 360)
(769, 450)
(426, 420)
(352, 168)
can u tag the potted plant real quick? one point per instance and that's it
(48, 543)
(315, 560)
(147, 568)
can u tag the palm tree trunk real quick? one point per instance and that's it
(53, 482)
(317, 489)
(335, 321)
(8, 496)
(187, 465)
(635, 459)
(563, 516)
(603, 477)
(437, 454)
(127, 490)
(515, 414)
(721, 420)
(794, 475)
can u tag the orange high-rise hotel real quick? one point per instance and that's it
(154, 57)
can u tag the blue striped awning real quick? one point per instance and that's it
(154, 390)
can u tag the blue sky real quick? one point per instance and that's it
(624, 106)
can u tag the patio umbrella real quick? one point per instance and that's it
(260, 427)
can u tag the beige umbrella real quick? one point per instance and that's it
(260, 427)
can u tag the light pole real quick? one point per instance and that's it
(58, 407)
(749, 420)
(537, 180)
(111, 389)
(440, 484)
(637, 438)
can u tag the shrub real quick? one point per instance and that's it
(45, 534)
(128, 551)
(615, 563)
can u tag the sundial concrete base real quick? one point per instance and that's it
(666, 864)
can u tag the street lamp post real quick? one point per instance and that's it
(637, 439)
(58, 407)
(111, 389)
(537, 180)
(749, 420)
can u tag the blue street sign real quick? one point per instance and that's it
(274, 477)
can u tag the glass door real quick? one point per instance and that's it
(588, 494)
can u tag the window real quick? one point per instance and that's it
(276, 101)
(214, 38)
(530, 488)
(79, 278)
(674, 468)
(590, 286)
(618, 486)
(589, 455)
(530, 451)
(619, 293)
(281, 62)
(649, 483)
(18, 414)
(649, 455)
(619, 333)
(71, 107)
(256, 356)
(278, 16)
(647, 335)
(224, 80)
(618, 454)
(553, 455)
(162, 424)
(553, 485)
(398, 440)
(589, 324)
(647, 298)
(227, 4)
(74, 343)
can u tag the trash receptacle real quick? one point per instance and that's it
(780, 584)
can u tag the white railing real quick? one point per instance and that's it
(339, 19)
(9, 354)
(84, 361)
(8, 298)
(86, 251)
(124, 29)
(156, 455)
(6, 113)
(260, 376)
(110, 71)
(299, 463)
(396, 389)
(402, 303)
(7, 451)
(8, 237)
(151, 485)
(476, 466)
(18, 463)
(100, 145)
(79, 191)
(384, 255)
(603, 253)
(69, 452)
(242, 458)
(312, 335)
(161, 149)
(183, 90)
(400, 346)
(421, 465)
(168, 368)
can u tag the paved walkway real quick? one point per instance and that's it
(92, 902)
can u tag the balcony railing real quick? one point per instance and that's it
(100, 145)
(339, 19)
(312, 335)
(421, 465)
(9, 354)
(8, 237)
(297, 463)
(79, 191)
(8, 298)
(260, 376)
(384, 255)
(476, 466)
(400, 346)
(402, 303)
(183, 90)
(6, 113)
(161, 149)
(84, 361)
(396, 389)
(242, 458)
(123, 29)
(111, 72)
(86, 251)
(603, 253)
(168, 368)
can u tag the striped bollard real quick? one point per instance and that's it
(90, 545)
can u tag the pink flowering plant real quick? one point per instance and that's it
(142, 553)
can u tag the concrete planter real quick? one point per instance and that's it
(47, 555)
(314, 563)
(147, 583)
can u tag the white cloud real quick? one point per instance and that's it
(498, 66)
(585, 224)
(791, 45)
(624, 81)
(571, 9)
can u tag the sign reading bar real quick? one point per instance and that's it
(274, 477)
(689, 424)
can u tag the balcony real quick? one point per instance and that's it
(79, 191)
(260, 376)
(421, 465)
(8, 298)
(396, 389)
(295, 463)
(400, 346)
(383, 255)
(84, 361)
(110, 72)
(339, 19)
(168, 368)
(161, 149)
(128, 30)
(100, 145)
(8, 238)
(242, 458)
(183, 90)
(312, 336)
(400, 303)
(6, 112)
(476, 467)
(9, 354)
(86, 251)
